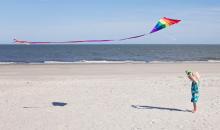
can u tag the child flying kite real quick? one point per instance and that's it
(194, 77)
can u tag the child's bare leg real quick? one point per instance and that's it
(194, 107)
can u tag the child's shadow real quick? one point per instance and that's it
(159, 108)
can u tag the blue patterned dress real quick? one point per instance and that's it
(195, 92)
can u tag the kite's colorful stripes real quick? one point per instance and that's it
(162, 23)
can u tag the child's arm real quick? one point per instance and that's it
(193, 78)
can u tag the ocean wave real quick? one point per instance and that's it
(57, 62)
(6, 63)
(208, 61)
(214, 61)
(93, 62)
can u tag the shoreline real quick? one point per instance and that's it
(110, 62)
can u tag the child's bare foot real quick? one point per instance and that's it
(193, 111)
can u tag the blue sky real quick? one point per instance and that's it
(57, 20)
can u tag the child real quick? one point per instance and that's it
(194, 77)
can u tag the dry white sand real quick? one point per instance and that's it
(107, 97)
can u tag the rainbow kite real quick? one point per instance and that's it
(161, 24)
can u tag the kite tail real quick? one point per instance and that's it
(81, 41)
(71, 42)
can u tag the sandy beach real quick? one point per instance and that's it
(107, 97)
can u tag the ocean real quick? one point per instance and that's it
(144, 53)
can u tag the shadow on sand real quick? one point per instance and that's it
(159, 108)
(61, 104)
